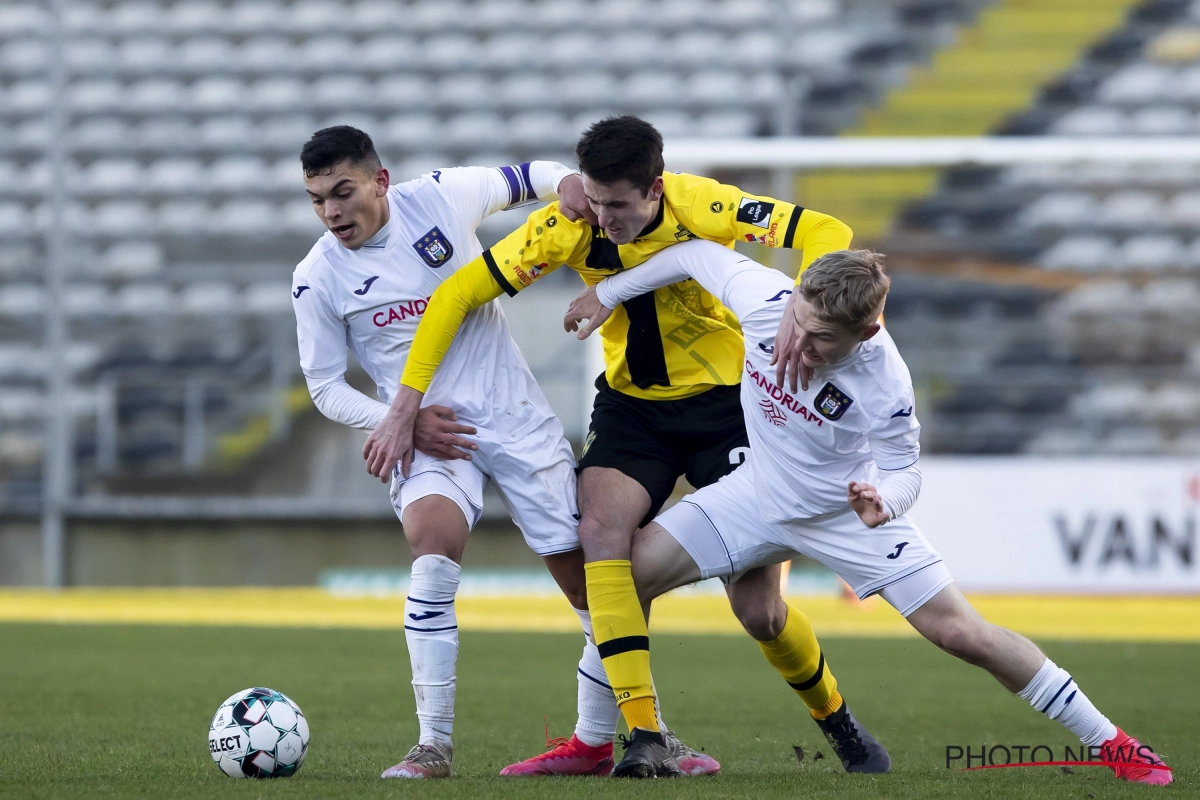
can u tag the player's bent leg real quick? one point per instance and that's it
(436, 527)
(949, 621)
(786, 638)
(953, 624)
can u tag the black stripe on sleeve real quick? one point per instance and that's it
(623, 644)
(791, 228)
(814, 680)
(497, 274)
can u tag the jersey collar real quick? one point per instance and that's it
(657, 221)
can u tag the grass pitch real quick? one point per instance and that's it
(123, 711)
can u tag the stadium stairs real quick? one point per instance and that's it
(993, 68)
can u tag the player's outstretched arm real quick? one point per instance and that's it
(392, 441)
(741, 284)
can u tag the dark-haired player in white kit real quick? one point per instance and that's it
(364, 287)
(831, 474)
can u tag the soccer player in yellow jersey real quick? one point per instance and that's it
(667, 404)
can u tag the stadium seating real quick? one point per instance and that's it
(183, 120)
(1127, 345)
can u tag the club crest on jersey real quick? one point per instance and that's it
(434, 248)
(831, 402)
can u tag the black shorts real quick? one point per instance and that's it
(656, 441)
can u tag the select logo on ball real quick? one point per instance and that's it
(258, 733)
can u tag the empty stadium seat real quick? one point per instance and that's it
(255, 219)
(265, 54)
(1092, 121)
(238, 174)
(1131, 210)
(227, 133)
(1060, 209)
(1138, 84)
(387, 52)
(204, 55)
(271, 298)
(186, 217)
(209, 299)
(109, 176)
(145, 55)
(132, 259)
(1152, 252)
(1085, 253)
(329, 52)
(1162, 120)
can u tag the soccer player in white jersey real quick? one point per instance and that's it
(364, 287)
(831, 475)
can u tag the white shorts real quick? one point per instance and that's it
(723, 533)
(535, 475)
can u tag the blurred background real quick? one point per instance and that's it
(155, 429)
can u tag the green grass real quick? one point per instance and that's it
(106, 711)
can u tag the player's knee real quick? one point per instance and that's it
(962, 638)
(763, 622)
(603, 540)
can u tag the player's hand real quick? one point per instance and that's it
(586, 306)
(436, 434)
(392, 442)
(865, 500)
(786, 358)
(573, 202)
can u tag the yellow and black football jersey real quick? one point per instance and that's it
(674, 342)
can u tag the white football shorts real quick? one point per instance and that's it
(721, 529)
(534, 473)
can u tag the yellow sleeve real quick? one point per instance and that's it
(467, 289)
(723, 212)
(544, 243)
(817, 234)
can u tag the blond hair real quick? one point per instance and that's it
(847, 287)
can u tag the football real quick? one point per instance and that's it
(258, 733)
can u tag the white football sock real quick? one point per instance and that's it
(431, 630)
(596, 706)
(1054, 693)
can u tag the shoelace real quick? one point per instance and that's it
(417, 751)
(848, 743)
(624, 741)
(557, 741)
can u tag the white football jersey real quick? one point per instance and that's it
(370, 300)
(856, 417)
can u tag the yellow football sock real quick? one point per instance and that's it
(622, 639)
(798, 657)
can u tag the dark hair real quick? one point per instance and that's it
(621, 148)
(330, 146)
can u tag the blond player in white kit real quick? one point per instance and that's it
(363, 288)
(832, 473)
